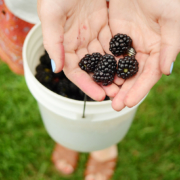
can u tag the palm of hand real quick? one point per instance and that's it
(149, 27)
(81, 36)
(84, 21)
(87, 31)
(82, 28)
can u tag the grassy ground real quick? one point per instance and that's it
(150, 151)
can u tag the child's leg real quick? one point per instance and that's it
(65, 160)
(101, 164)
(12, 35)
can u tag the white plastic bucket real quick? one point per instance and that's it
(62, 117)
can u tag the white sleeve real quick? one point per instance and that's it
(24, 9)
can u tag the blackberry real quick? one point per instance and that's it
(43, 68)
(59, 75)
(67, 89)
(44, 77)
(120, 44)
(63, 87)
(105, 70)
(106, 98)
(90, 62)
(45, 60)
(127, 67)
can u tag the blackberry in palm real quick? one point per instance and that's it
(121, 44)
(90, 62)
(127, 67)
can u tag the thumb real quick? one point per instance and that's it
(170, 47)
(53, 21)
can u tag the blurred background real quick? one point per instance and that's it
(150, 150)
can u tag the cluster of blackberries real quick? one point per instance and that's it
(57, 82)
(105, 67)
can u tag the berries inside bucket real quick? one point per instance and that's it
(58, 82)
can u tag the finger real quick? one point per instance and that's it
(81, 78)
(53, 22)
(104, 38)
(38, 7)
(170, 46)
(94, 46)
(118, 81)
(118, 102)
(81, 53)
(150, 75)
(110, 90)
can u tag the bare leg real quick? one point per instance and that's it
(101, 164)
(65, 160)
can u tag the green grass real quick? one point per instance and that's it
(150, 151)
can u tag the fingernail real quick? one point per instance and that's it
(53, 65)
(171, 67)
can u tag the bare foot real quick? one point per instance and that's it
(65, 160)
(101, 164)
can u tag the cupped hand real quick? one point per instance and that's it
(154, 27)
(72, 29)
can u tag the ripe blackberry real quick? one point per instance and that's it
(43, 68)
(59, 75)
(44, 77)
(127, 67)
(106, 98)
(63, 87)
(105, 70)
(89, 62)
(45, 60)
(120, 44)
(67, 89)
